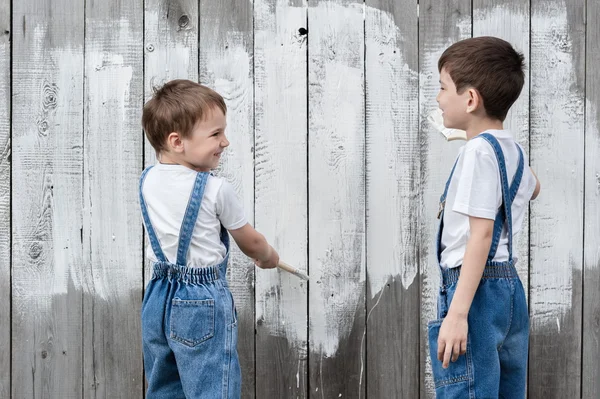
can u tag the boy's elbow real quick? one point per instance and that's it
(536, 192)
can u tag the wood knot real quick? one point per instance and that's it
(184, 20)
(302, 31)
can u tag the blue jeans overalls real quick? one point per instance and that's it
(189, 322)
(495, 365)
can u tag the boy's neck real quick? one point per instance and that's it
(166, 159)
(478, 126)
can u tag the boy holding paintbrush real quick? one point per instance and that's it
(189, 324)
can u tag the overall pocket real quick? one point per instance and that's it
(192, 321)
(455, 381)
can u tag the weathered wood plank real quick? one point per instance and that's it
(5, 193)
(440, 25)
(171, 52)
(393, 199)
(336, 192)
(171, 47)
(281, 194)
(591, 273)
(113, 228)
(557, 154)
(226, 65)
(510, 20)
(47, 207)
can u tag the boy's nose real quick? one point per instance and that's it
(225, 142)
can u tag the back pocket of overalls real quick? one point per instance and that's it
(452, 382)
(192, 321)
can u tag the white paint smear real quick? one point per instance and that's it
(554, 257)
(280, 68)
(337, 250)
(392, 93)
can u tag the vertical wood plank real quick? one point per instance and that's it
(47, 181)
(393, 199)
(113, 229)
(440, 25)
(557, 154)
(170, 47)
(510, 20)
(226, 65)
(170, 52)
(281, 194)
(5, 197)
(336, 198)
(591, 274)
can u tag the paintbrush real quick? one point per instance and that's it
(436, 120)
(293, 270)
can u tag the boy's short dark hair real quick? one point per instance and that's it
(177, 107)
(491, 66)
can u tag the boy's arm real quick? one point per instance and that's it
(255, 246)
(537, 185)
(452, 339)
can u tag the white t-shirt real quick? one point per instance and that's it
(167, 190)
(475, 190)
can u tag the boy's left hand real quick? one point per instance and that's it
(452, 339)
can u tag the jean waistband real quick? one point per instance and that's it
(185, 274)
(492, 270)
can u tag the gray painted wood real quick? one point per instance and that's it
(113, 229)
(439, 27)
(281, 195)
(47, 178)
(393, 200)
(557, 154)
(510, 21)
(591, 274)
(226, 65)
(336, 198)
(5, 197)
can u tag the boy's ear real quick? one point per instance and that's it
(174, 142)
(474, 100)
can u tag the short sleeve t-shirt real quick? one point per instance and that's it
(167, 190)
(475, 190)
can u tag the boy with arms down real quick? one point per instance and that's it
(479, 344)
(189, 322)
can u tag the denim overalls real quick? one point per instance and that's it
(495, 365)
(189, 323)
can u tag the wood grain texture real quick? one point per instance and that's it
(439, 27)
(5, 197)
(113, 228)
(557, 154)
(336, 187)
(591, 273)
(226, 65)
(393, 200)
(281, 194)
(170, 52)
(509, 20)
(47, 165)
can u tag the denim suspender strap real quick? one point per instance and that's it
(508, 195)
(160, 256)
(441, 213)
(190, 218)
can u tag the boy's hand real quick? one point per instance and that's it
(452, 339)
(271, 261)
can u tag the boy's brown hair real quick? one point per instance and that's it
(491, 66)
(177, 107)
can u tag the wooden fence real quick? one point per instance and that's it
(334, 161)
